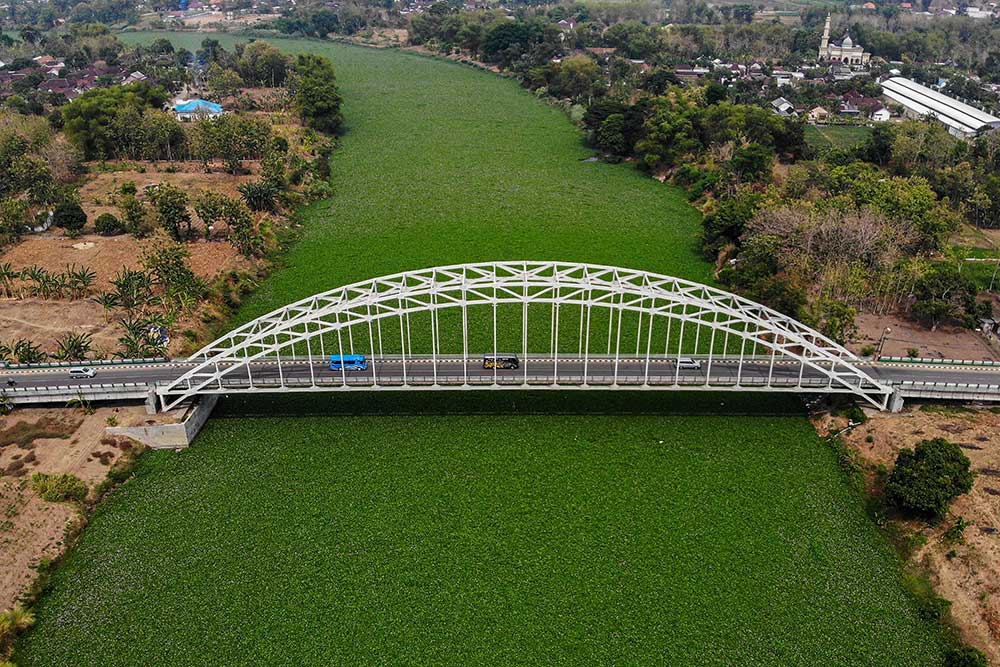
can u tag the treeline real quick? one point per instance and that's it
(128, 122)
(841, 235)
(51, 13)
(684, 126)
(37, 170)
(532, 36)
(347, 18)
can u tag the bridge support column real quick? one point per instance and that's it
(151, 402)
(896, 402)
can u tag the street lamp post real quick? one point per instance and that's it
(881, 343)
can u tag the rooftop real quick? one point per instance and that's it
(958, 116)
(197, 106)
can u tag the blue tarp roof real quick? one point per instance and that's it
(196, 106)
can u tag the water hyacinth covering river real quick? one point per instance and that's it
(428, 537)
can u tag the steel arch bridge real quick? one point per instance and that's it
(571, 326)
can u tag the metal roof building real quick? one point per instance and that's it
(961, 119)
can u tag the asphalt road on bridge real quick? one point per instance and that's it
(538, 370)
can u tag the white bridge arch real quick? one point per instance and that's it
(599, 327)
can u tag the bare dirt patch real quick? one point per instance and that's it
(96, 193)
(968, 575)
(44, 322)
(108, 255)
(947, 342)
(54, 441)
(379, 37)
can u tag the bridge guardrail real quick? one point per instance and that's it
(127, 387)
(949, 385)
(78, 364)
(938, 362)
(514, 381)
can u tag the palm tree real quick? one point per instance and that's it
(131, 346)
(20, 618)
(12, 622)
(37, 275)
(57, 283)
(140, 339)
(80, 280)
(109, 301)
(73, 347)
(5, 352)
(7, 278)
(186, 302)
(27, 352)
(133, 288)
(133, 326)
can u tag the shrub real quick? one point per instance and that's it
(128, 188)
(912, 352)
(69, 216)
(13, 621)
(259, 196)
(855, 414)
(927, 480)
(956, 532)
(867, 350)
(965, 656)
(58, 488)
(108, 225)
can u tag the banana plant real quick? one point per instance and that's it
(73, 347)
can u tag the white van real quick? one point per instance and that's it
(690, 364)
(82, 372)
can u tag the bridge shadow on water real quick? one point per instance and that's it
(433, 403)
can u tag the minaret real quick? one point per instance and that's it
(823, 45)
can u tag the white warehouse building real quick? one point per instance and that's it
(961, 119)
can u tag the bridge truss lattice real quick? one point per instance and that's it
(574, 325)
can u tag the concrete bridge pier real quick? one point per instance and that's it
(896, 401)
(171, 436)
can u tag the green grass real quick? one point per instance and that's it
(836, 136)
(983, 273)
(485, 539)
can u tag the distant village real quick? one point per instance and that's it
(840, 62)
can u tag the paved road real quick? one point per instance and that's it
(541, 370)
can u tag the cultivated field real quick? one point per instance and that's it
(424, 534)
(836, 136)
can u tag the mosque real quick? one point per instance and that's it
(846, 52)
